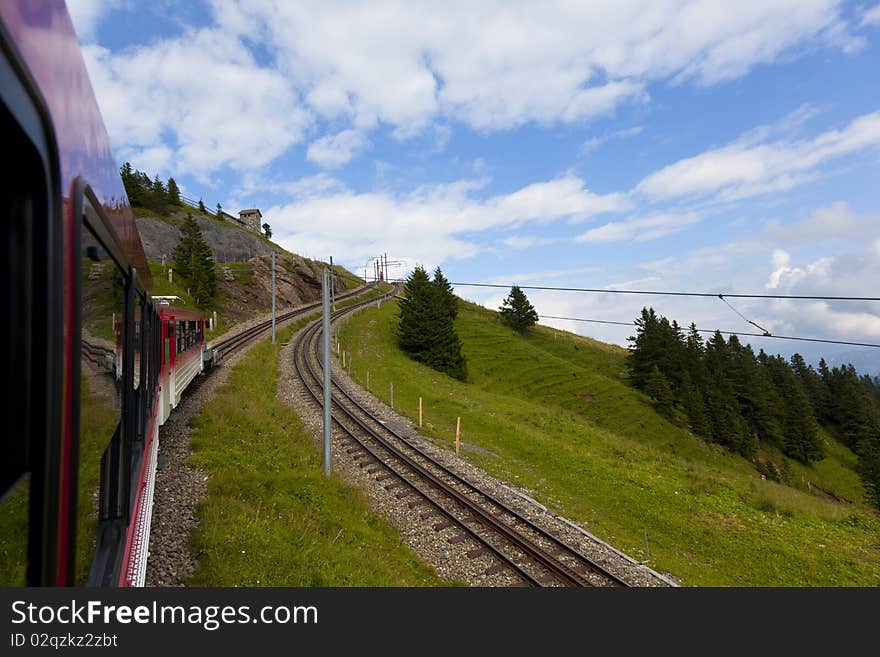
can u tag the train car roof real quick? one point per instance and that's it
(178, 313)
(44, 36)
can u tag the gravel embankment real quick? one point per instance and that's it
(451, 561)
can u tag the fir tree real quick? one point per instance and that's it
(426, 329)
(202, 207)
(444, 287)
(193, 262)
(267, 231)
(658, 389)
(517, 312)
(173, 192)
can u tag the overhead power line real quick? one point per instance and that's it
(737, 333)
(674, 294)
(756, 325)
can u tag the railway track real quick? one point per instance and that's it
(518, 545)
(231, 344)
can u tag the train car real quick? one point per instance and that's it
(93, 365)
(183, 348)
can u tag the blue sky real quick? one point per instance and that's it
(696, 146)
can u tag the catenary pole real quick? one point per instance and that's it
(326, 358)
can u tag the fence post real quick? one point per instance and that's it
(392, 395)
(457, 432)
(368, 379)
(420, 412)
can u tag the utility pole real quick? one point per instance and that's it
(332, 285)
(386, 267)
(273, 297)
(326, 358)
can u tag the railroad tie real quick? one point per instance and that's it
(458, 538)
(495, 568)
(443, 524)
(476, 552)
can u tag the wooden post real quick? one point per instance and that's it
(368, 379)
(343, 360)
(457, 433)
(420, 412)
(349, 362)
(392, 395)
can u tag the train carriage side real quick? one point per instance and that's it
(183, 344)
(84, 377)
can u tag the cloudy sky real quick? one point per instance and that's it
(666, 145)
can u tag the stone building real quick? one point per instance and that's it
(252, 219)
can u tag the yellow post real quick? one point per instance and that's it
(420, 412)
(343, 360)
(368, 379)
(457, 432)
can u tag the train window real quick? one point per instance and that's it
(23, 211)
(102, 285)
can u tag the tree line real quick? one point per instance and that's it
(742, 400)
(153, 194)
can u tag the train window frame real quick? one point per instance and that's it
(39, 385)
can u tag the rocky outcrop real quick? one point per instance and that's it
(228, 243)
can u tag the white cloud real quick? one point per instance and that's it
(419, 67)
(744, 168)
(527, 241)
(848, 274)
(87, 14)
(835, 222)
(496, 65)
(640, 229)
(593, 143)
(203, 95)
(429, 224)
(334, 151)
(871, 16)
(535, 276)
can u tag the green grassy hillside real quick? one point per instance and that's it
(552, 413)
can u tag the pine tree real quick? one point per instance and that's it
(173, 192)
(658, 389)
(726, 422)
(517, 312)
(202, 207)
(426, 329)
(193, 262)
(267, 231)
(444, 287)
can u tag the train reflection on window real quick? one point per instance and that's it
(100, 401)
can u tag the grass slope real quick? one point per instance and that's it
(271, 518)
(552, 413)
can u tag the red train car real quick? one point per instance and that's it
(94, 366)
